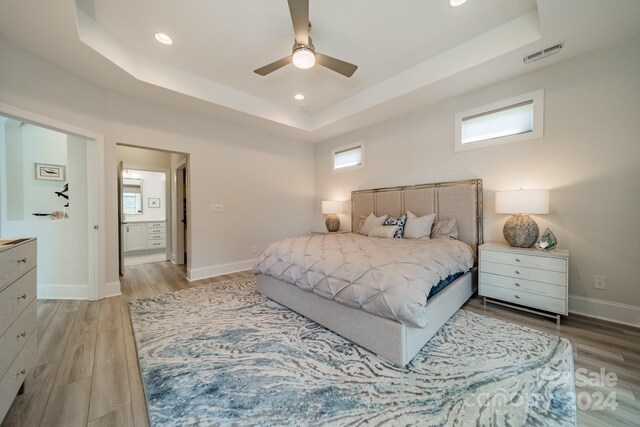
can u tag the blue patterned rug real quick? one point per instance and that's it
(222, 354)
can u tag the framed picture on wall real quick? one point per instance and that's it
(49, 172)
(154, 202)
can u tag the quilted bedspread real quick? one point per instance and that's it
(389, 278)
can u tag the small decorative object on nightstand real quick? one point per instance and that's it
(331, 208)
(317, 233)
(520, 230)
(535, 280)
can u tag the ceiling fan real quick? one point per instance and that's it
(304, 53)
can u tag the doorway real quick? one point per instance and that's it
(49, 189)
(151, 220)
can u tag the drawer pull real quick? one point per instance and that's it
(517, 284)
(23, 260)
(517, 296)
(22, 334)
(22, 372)
(23, 296)
(517, 272)
(517, 260)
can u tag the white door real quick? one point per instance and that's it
(135, 237)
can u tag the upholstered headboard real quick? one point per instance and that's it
(461, 200)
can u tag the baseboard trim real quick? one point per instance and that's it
(605, 310)
(218, 270)
(111, 289)
(49, 291)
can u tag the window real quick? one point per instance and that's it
(348, 157)
(511, 120)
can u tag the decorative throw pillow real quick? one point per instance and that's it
(445, 229)
(418, 227)
(360, 223)
(372, 221)
(386, 231)
(399, 221)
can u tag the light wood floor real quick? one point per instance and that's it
(87, 371)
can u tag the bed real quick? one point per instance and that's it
(395, 339)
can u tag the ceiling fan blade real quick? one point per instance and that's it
(299, 10)
(270, 68)
(336, 65)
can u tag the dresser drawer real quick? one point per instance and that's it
(155, 230)
(523, 285)
(15, 298)
(16, 261)
(157, 236)
(14, 338)
(553, 305)
(521, 260)
(151, 225)
(16, 374)
(156, 244)
(545, 276)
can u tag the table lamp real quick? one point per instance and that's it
(521, 230)
(332, 208)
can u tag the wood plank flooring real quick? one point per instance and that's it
(87, 372)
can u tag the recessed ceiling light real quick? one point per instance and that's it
(163, 38)
(456, 3)
(299, 97)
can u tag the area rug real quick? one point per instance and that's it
(222, 354)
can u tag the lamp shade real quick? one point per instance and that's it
(522, 202)
(331, 207)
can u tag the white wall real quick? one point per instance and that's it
(589, 158)
(154, 185)
(265, 182)
(62, 244)
(142, 158)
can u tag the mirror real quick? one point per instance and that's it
(131, 196)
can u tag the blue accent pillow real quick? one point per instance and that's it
(400, 222)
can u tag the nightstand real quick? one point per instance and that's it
(315, 233)
(531, 278)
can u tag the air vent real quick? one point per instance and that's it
(543, 53)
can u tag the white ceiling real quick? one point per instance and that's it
(409, 52)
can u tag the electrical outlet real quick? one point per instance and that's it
(254, 249)
(599, 282)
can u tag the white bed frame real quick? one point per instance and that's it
(389, 339)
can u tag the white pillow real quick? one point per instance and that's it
(372, 221)
(386, 231)
(418, 228)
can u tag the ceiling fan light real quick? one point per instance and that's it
(304, 58)
(456, 3)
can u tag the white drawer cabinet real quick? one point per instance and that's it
(530, 278)
(18, 338)
(145, 236)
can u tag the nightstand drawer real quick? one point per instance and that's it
(539, 262)
(553, 305)
(536, 275)
(522, 285)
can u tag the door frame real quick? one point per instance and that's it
(95, 195)
(181, 219)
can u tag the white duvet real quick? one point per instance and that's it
(385, 277)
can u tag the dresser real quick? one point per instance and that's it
(524, 278)
(18, 338)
